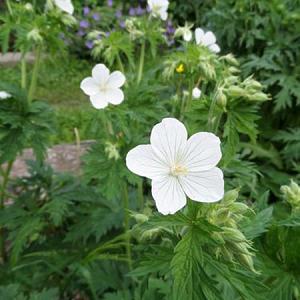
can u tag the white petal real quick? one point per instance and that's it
(199, 33)
(89, 86)
(116, 79)
(203, 152)
(65, 5)
(168, 195)
(101, 74)
(99, 100)
(206, 186)
(168, 140)
(142, 161)
(163, 15)
(214, 48)
(114, 96)
(209, 38)
(196, 93)
(187, 36)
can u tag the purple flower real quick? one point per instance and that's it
(89, 44)
(131, 11)
(86, 10)
(118, 14)
(80, 32)
(122, 24)
(84, 24)
(96, 16)
(107, 33)
(139, 11)
(110, 3)
(170, 29)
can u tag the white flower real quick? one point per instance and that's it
(196, 93)
(179, 167)
(159, 8)
(4, 95)
(207, 39)
(65, 5)
(104, 88)
(185, 31)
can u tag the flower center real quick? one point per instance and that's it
(178, 170)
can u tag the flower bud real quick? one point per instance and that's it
(233, 235)
(35, 36)
(259, 97)
(221, 99)
(230, 59)
(236, 91)
(28, 7)
(68, 20)
(292, 194)
(151, 233)
(140, 218)
(231, 196)
(112, 151)
(234, 70)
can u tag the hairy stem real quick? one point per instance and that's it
(142, 60)
(23, 71)
(9, 7)
(120, 64)
(126, 225)
(34, 77)
(140, 194)
(4, 184)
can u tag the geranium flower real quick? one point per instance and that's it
(65, 5)
(179, 167)
(4, 95)
(104, 88)
(159, 8)
(185, 32)
(207, 39)
(196, 93)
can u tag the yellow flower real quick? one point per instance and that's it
(180, 68)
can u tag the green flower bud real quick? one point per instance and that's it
(247, 261)
(140, 218)
(236, 91)
(151, 233)
(28, 7)
(35, 36)
(112, 151)
(68, 20)
(233, 235)
(291, 194)
(230, 196)
(259, 97)
(234, 70)
(238, 207)
(221, 99)
(230, 59)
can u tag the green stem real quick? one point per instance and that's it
(121, 66)
(9, 7)
(34, 77)
(142, 60)
(190, 98)
(23, 71)
(2, 199)
(140, 194)
(126, 225)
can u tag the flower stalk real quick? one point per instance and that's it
(23, 71)
(6, 174)
(126, 225)
(142, 60)
(34, 77)
(9, 7)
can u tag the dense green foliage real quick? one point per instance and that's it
(96, 234)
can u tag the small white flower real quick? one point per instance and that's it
(65, 5)
(104, 88)
(179, 167)
(185, 31)
(196, 93)
(4, 95)
(159, 8)
(207, 39)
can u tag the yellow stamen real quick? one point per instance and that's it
(178, 170)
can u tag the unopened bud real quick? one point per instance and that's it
(34, 35)
(221, 99)
(28, 7)
(231, 196)
(230, 59)
(235, 91)
(259, 97)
